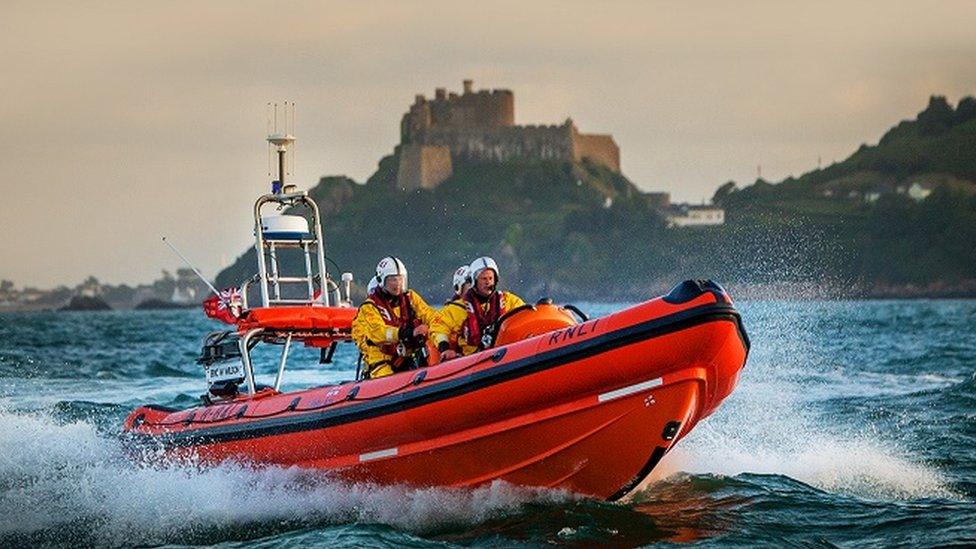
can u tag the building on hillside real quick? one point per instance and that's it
(437, 133)
(188, 287)
(919, 191)
(688, 215)
(90, 287)
(32, 295)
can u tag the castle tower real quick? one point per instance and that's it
(480, 126)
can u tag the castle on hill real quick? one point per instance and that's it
(480, 126)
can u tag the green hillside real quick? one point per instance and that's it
(864, 209)
(579, 231)
(549, 224)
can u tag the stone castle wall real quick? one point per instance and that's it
(598, 148)
(504, 143)
(473, 110)
(480, 126)
(484, 109)
(422, 166)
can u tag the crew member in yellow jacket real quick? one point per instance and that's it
(484, 305)
(462, 283)
(455, 310)
(391, 326)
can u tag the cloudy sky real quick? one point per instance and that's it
(123, 121)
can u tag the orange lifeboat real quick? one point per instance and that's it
(588, 406)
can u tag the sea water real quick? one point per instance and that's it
(854, 424)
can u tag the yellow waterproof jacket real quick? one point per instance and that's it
(376, 332)
(453, 313)
(450, 323)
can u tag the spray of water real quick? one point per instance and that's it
(67, 483)
(778, 422)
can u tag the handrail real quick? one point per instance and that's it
(246, 357)
(281, 363)
(291, 199)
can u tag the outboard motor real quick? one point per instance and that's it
(221, 360)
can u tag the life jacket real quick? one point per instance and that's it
(478, 320)
(406, 319)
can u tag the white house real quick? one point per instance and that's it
(687, 215)
(919, 191)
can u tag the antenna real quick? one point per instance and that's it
(294, 146)
(195, 270)
(269, 130)
(280, 141)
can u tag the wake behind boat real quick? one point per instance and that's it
(560, 400)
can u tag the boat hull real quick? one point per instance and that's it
(590, 409)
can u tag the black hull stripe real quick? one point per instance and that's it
(652, 461)
(447, 389)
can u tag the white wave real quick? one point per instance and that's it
(57, 476)
(860, 466)
(777, 422)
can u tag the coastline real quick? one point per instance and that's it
(776, 291)
(836, 291)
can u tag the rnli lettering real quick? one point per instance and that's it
(220, 413)
(330, 396)
(215, 413)
(573, 331)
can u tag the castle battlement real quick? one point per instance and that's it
(480, 126)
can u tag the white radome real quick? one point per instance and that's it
(283, 225)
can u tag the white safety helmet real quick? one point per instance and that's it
(461, 277)
(481, 264)
(389, 266)
(373, 284)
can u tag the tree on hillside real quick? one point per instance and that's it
(936, 118)
(723, 192)
(966, 110)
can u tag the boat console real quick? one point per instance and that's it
(297, 298)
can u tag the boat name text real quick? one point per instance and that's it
(573, 331)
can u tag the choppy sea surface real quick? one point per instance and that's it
(854, 424)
